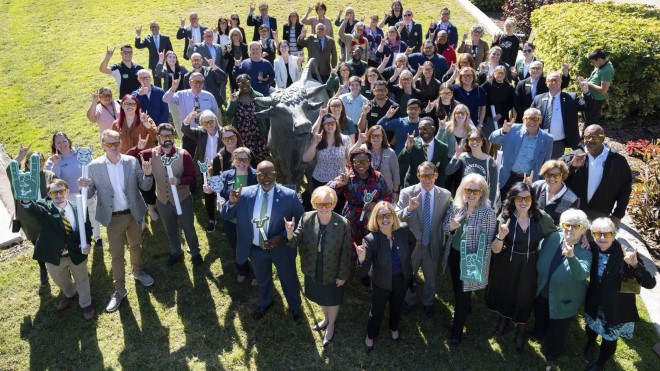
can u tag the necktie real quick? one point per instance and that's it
(426, 152)
(322, 43)
(196, 109)
(67, 226)
(548, 114)
(157, 42)
(262, 216)
(426, 220)
(533, 89)
(409, 27)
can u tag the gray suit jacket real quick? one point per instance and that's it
(202, 49)
(415, 222)
(133, 177)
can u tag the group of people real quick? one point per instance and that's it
(415, 162)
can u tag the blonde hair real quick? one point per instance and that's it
(373, 223)
(460, 200)
(474, 76)
(109, 133)
(554, 164)
(322, 192)
(468, 125)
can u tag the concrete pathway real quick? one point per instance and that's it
(6, 237)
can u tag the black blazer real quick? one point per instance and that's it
(409, 160)
(258, 21)
(412, 38)
(148, 42)
(378, 260)
(215, 82)
(287, 28)
(570, 105)
(185, 33)
(617, 307)
(523, 98)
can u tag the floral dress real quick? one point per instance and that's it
(248, 127)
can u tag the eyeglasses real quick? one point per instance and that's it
(426, 129)
(127, 52)
(360, 162)
(242, 160)
(166, 136)
(329, 124)
(196, 81)
(535, 68)
(406, 79)
(557, 176)
(474, 140)
(527, 50)
(208, 123)
(129, 104)
(476, 192)
(446, 94)
(602, 234)
(323, 205)
(381, 217)
(231, 138)
(336, 105)
(196, 60)
(376, 136)
(234, 19)
(110, 145)
(427, 176)
(413, 108)
(407, 15)
(371, 75)
(105, 95)
(532, 118)
(467, 75)
(269, 176)
(572, 227)
(460, 113)
(499, 73)
(378, 91)
(144, 78)
(58, 192)
(519, 199)
(552, 81)
(588, 138)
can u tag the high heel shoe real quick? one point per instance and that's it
(316, 327)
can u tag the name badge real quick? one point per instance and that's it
(316, 40)
(373, 114)
(124, 76)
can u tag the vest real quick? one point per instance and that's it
(163, 188)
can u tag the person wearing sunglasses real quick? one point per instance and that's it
(563, 267)
(235, 22)
(551, 193)
(261, 212)
(486, 69)
(118, 181)
(383, 158)
(351, 40)
(402, 127)
(610, 312)
(470, 222)
(242, 110)
(60, 247)
(513, 274)
(524, 149)
(410, 31)
(522, 65)
(323, 239)
(442, 108)
(150, 97)
(103, 110)
(601, 177)
(475, 46)
(471, 158)
(262, 19)
(425, 81)
(235, 51)
(385, 256)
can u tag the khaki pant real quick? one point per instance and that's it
(62, 273)
(124, 227)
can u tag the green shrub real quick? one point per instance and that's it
(644, 206)
(627, 33)
(488, 5)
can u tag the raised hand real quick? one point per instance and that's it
(175, 84)
(362, 137)
(235, 196)
(630, 256)
(442, 123)
(144, 119)
(252, 8)
(452, 68)
(567, 249)
(228, 48)
(361, 250)
(182, 22)
(56, 158)
(503, 229)
(318, 137)
(233, 97)
(289, 226)
(339, 282)
(22, 152)
(303, 32)
(459, 148)
(142, 143)
(366, 108)
(161, 56)
(95, 97)
(578, 159)
(529, 179)
(410, 141)
(429, 106)
(413, 202)
(146, 165)
(109, 53)
(191, 41)
(138, 31)
(464, 37)
(390, 112)
(506, 127)
(408, 51)
(323, 111)
(565, 68)
(237, 61)
(514, 71)
(455, 223)
(207, 189)
(211, 62)
(142, 90)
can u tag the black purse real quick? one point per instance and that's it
(628, 284)
(15, 224)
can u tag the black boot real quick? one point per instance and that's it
(501, 326)
(520, 336)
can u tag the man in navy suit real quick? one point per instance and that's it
(155, 43)
(151, 98)
(195, 32)
(264, 19)
(260, 211)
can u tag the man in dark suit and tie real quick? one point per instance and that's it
(320, 47)
(155, 43)
(423, 148)
(215, 78)
(529, 88)
(195, 32)
(560, 114)
(263, 19)
(425, 223)
(207, 49)
(260, 211)
(410, 31)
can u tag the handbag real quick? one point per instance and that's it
(15, 224)
(628, 284)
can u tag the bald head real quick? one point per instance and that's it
(594, 130)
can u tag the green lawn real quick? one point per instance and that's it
(198, 319)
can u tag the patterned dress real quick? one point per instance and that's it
(248, 127)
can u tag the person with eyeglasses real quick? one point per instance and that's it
(513, 274)
(124, 72)
(321, 47)
(470, 222)
(194, 31)
(563, 268)
(471, 158)
(443, 106)
(522, 66)
(404, 89)
(410, 31)
(524, 149)
(150, 98)
(486, 69)
(262, 19)
(103, 110)
(134, 123)
(323, 239)
(426, 55)
(385, 256)
(371, 76)
(601, 177)
(383, 158)
(475, 46)
(374, 35)
(208, 49)
(377, 108)
(468, 92)
(401, 127)
(261, 212)
(390, 47)
(452, 133)
(118, 180)
(609, 311)
(424, 206)
(258, 68)
(534, 85)
(444, 48)
(60, 247)
(238, 172)
(155, 43)
(421, 148)
(443, 25)
(552, 195)
(235, 23)
(208, 141)
(394, 16)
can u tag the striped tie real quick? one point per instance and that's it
(426, 220)
(67, 225)
(426, 152)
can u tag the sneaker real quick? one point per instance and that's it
(172, 259)
(88, 313)
(115, 301)
(144, 278)
(210, 227)
(197, 260)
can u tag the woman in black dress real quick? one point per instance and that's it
(512, 289)
(324, 241)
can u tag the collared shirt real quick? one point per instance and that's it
(596, 167)
(70, 216)
(557, 122)
(353, 105)
(256, 213)
(196, 34)
(116, 175)
(185, 100)
(523, 162)
(211, 147)
(534, 84)
(157, 41)
(549, 200)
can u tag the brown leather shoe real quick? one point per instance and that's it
(65, 302)
(88, 313)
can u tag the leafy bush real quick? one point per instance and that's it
(644, 206)
(641, 148)
(488, 5)
(521, 11)
(628, 33)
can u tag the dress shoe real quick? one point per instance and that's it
(172, 259)
(88, 313)
(98, 242)
(316, 327)
(260, 313)
(297, 313)
(406, 309)
(588, 352)
(65, 302)
(429, 311)
(144, 278)
(197, 260)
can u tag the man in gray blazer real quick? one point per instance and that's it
(120, 208)
(320, 47)
(425, 224)
(207, 49)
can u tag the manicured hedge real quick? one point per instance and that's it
(627, 33)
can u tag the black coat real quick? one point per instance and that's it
(378, 260)
(258, 21)
(617, 307)
(523, 98)
(570, 105)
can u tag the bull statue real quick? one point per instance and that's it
(292, 112)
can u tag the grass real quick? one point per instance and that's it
(198, 319)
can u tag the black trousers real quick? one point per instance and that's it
(462, 300)
(150, 195)
(607, 348)
(592, 111)
(379, 298)
(513, 179)
(209, 205)
(555, 330)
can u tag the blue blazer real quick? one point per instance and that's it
(150, 44)
(285, 205)
(228, 179)
(511, 143)
(155, 107)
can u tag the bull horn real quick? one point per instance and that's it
(266, 101)
(309, 93)
(263, 114)
(312, 65)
